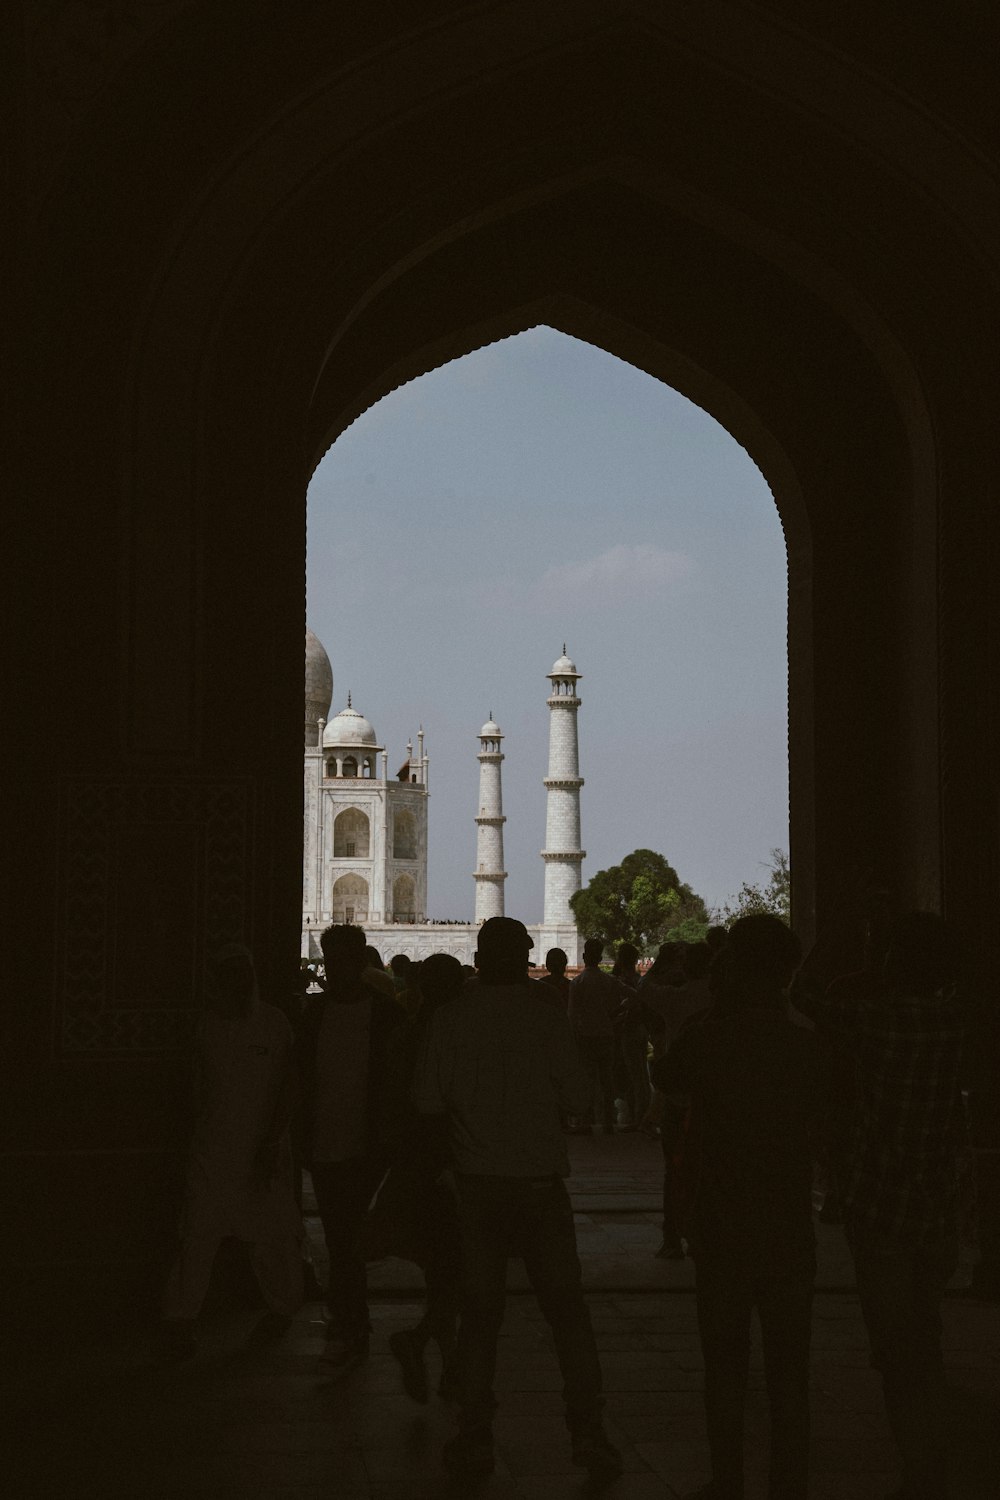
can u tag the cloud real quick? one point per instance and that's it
(621, 571)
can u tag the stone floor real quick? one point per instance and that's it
(106, 1422)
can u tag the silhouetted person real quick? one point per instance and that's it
(632, 1035)
(554, 981)
(423, 1205)
(594, 1001)
(901, 1190)
(342, 1050)
(502, 1066)
(752, 1078)
(375, 975)
(404, 973)
(239, 1171)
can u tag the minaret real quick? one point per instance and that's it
(562, 853)
(490, 873)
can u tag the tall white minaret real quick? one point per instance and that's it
(490, 873)
(562, 853)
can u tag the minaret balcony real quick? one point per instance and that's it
(565, 783)
(567, 855)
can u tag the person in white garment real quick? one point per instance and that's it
(239, 1168)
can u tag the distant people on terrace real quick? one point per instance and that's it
(239, 1165)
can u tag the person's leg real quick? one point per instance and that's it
(189, 1277)
(606, 1082)
(900, 1289)
(546, 1237)
(484, 1219)
(278, 1269)
(634, 1049)
(589, 1050)
(343, 1190)
(671, 1248)
(724, 1299)
(785, 1308)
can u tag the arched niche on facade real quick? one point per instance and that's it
(351, 834)
(404, 899)
(350, 898)
(404, 834)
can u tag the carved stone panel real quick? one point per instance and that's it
(154, 878)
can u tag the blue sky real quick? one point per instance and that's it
(540, 491)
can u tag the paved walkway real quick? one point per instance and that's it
(108, 1423)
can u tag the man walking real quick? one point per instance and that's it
(502, 1066)
(342, 1051)
(595, 1000)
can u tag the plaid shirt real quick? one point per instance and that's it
(908, 1123)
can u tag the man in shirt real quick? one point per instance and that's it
(502, 1065)
(595, 1000)
(901, 1190)
(342, 1051)
(239, 1168)
(751, 1079)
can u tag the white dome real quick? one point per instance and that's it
(491, 731)
(349, 728)
(564, 668)
(318, 685)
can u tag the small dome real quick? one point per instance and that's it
(319, 685)
(491, 731)
(349, 728)
(564, 667)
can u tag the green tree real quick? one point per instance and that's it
(641, 901)
(772, 897)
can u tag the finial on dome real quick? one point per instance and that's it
(564, 648)
(348, 697)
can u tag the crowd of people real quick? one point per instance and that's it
(430, 1103)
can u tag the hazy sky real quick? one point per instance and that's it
(540, 491)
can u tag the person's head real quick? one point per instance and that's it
(716, 938)
(593, 952)
(374, 958)
(761, 955)
(697, 960)
(628, 957)
(441, 980)
(402, 968)
(502, 951)
(234, 983)
(344, 954)
(555, 962)
(668, 965)
(921, 954)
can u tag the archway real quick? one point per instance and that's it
(779, 220)
(351, 834)
(350, 899)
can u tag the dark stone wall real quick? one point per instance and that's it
(229, 239)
